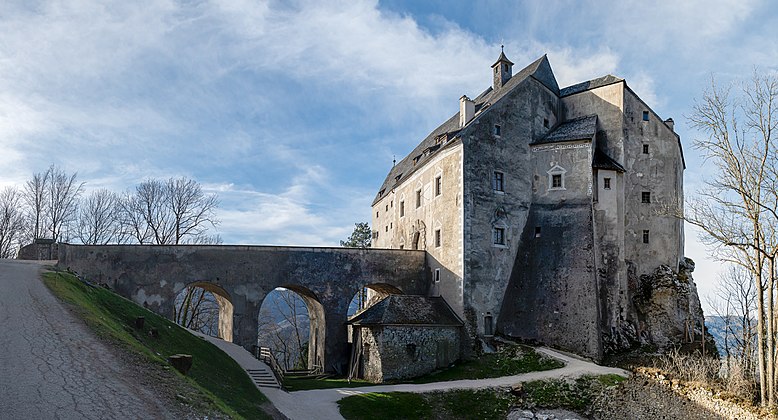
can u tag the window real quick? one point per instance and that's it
(545, 122)
(391, 204)
(402, 246)
(645, 197)
(556, 181)
(387, 207)
(556, 178)
(606, 183)
(418, 198)
(498, 181)
(437, 275)
(537, 231)
(402, 208)
(498, 236)
(645, 236)
(497, 131)
(376, 215)
(390, 225)
(645, 149)
(437, 238)
(387, 228)
(438, 185)
(645, 115)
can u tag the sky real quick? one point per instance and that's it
(293, 111)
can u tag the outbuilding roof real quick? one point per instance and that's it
(408, 310)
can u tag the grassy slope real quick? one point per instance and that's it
(111, 316)
(510, 360)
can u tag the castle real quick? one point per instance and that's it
(540, 208)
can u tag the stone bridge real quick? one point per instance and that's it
(240, 277)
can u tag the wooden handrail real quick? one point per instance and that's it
(266, 355)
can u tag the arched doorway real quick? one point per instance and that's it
(205, 307)
(291, 324)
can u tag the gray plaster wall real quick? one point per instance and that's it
(441, 212)
(488, 267)
(553, 293)
(326, 278)
(399, 352)
(659, 172)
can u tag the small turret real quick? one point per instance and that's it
(502, 70)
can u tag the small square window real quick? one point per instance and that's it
(437, 275)
(402, 208)
(438, 185)
(497, 131)
(645, 237)
(418, 198)
(498, 236)
(402, 246)
(645, 149)
(606, 183)
(556, 181)
(537, 231)
(645, 115)
(437, 238)
(498, 181)
(645, 197)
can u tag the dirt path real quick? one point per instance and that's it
(52, 366)
(322, 404)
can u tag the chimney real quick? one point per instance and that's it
(466, 110)
(670, 123)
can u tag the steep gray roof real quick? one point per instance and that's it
(601, 160)
(591, 84)
(581, 128)
(408, 310)
(540, 69)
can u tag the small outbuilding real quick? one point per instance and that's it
(404, 336)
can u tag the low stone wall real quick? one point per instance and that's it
(707, 399)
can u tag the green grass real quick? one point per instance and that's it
(111, 316)
(495, 403)
(509, 360)
(486, 404)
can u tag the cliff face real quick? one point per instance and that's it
(666, 312)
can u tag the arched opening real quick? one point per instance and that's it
(205, 307)
(291, 324)
(415, 242)
(369, 295)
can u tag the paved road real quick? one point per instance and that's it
(52, 367)
(321, 404)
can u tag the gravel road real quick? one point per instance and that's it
(53, 367)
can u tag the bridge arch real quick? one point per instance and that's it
(189, 304)
(152, 275)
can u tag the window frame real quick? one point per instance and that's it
(438, 185)
(606, 183)
(438, 238)
(418, 198)
(498, 182)
(645, 197)
(498, 236)
(646, 236)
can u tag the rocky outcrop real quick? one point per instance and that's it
(666, 312)
(668, 308)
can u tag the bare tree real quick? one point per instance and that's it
(35, 197)
(98, 219)
(284, 326)
(192, 210)
(197, 309)
(737, 207)
(62, 198)
(175, 211)
(12, 223)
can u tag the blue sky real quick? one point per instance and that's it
(292, 111)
